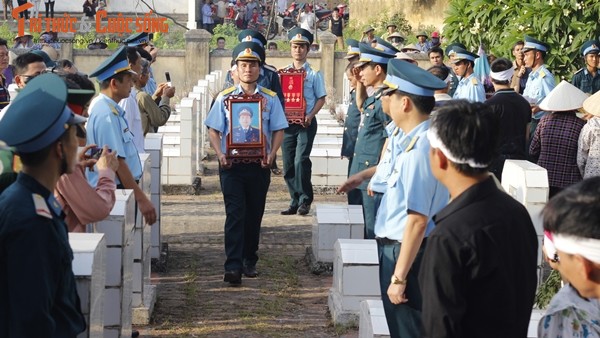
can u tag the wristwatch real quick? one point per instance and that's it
(398, 281)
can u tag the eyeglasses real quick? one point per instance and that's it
(31, 77)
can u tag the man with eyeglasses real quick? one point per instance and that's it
(4, 96)
(27, 67)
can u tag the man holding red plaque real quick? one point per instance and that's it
(298, 138)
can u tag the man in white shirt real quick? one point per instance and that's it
(307, 19)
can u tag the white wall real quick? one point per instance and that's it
(126, 6)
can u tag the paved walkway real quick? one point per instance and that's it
(286, 300)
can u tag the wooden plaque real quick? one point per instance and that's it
(246, 142)
(292, 85)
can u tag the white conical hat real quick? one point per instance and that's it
(592, 104)
(564, 97)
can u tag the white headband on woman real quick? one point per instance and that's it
(504, 75)
(436, 142)
(588, 248)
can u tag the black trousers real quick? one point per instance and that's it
(49, 9)
(354, 195)
(297, 167)
(244, 188)
(24, 13)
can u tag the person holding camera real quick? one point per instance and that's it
(153, 114)
(81, 203)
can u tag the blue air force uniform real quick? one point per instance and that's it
(244, 186)
(583, 79)
(107, 124)
(539, 83)
(371, 137)
(468, 88)
(298, 140)
(351, 123)
(38, 297)
(411, 187)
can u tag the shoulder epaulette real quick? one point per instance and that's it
(267, 91)
(474, 80)
(269, 67)
(228, 90)
(542, 74)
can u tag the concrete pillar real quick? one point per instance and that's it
(66, 49)
(197, 60)
(328, 58)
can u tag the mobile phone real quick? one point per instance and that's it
(94, 152)
(168, 76)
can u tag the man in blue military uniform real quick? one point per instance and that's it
(298, 139)
(141, 41)
(245, 133)
(540, 82)
(38, 297)
(469, 87)
(351, 123)
(268, 74)
(107, 126)
(587, 78)
(245, 185)
(371, 133)
(413, 195)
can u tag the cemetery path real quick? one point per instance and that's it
(286, 300)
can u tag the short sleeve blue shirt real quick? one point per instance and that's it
(379, 181)
(470, 89)
(314, 86)
(107, 126)
(539, 84)
(273, 117)
(411, 186)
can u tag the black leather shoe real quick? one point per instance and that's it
(290, 211)
(304, 209)
(233, 277)
(250, 272)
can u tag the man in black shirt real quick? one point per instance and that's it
(336, 26)
(478, 274)
(514, 113)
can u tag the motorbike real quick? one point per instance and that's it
(321, 12)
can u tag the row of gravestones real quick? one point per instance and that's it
(337, 238)
(112, 261)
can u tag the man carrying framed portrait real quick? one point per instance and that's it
(245, 179)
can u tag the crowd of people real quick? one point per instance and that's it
(428, 185)
(58, 174)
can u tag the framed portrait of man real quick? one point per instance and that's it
(292, 85)
(245, 140)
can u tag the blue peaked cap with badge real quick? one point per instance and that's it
(592, 46)
(408, 78)
(386, 46)
(450, 49)
(251, 35)
(532, 43)
(370, 54)
(245, 110)
(459, 54)
(137, 39)
(39, 115)
(113, 65)
(300, 35)
(248, 51)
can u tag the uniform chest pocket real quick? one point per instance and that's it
(127, 136)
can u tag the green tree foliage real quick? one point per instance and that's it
(564, 24)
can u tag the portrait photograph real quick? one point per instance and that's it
(246, 123)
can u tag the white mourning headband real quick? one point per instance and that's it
(588, 248)
(504, 75)
(436, 142)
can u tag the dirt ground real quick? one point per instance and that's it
(286, 300)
